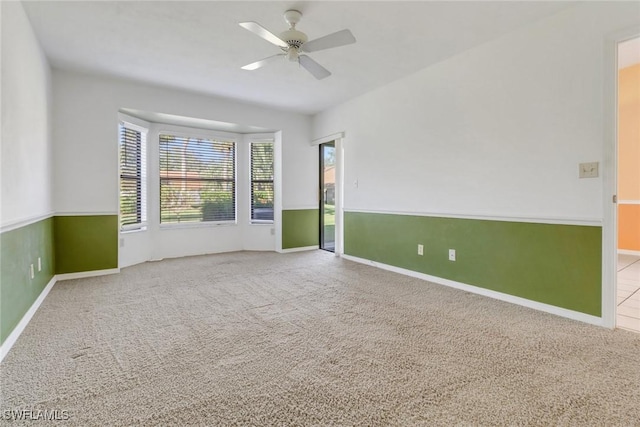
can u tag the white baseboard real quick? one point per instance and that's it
(563, 312)
(628, 252)
(303, 248)
(13, 336)
(84, 274)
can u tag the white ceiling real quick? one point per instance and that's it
(199, 46)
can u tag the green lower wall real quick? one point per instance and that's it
(65, 244)
(560, 265)
(86, 243)
(300, 228)
(18, 250)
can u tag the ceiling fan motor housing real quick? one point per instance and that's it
(294, 38)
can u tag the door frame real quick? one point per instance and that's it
(338, 139)
(610, 174)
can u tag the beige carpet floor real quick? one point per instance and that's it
(309, 339)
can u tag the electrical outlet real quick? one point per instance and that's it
(420, 249)
(588, 170)
(39, 264)
(122, 242)
(452, 254)
(31, 272)
(273, 231)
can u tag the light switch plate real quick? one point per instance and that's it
(588, 170)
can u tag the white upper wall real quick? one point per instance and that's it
(26, 142)
(629, 53)
(85, 133)
(498, 130)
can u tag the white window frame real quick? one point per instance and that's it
(142, 225)
(185, 132)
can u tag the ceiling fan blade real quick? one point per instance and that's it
(259, 30)
(339, 38)
(317, 70)
(261, 63)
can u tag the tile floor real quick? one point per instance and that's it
(628, 292)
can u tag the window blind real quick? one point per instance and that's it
(197, 180)
(262, 182)
(132, 209)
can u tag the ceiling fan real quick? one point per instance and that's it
(294, 44)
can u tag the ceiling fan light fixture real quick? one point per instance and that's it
(292, 54)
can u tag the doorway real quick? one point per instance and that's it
(628, 186)
(327, 197)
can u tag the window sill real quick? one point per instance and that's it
(133, 230)
(179, 226)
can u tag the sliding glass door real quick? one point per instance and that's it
(328, 196)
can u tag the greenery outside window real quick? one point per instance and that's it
(262, 182)
(197, 180)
